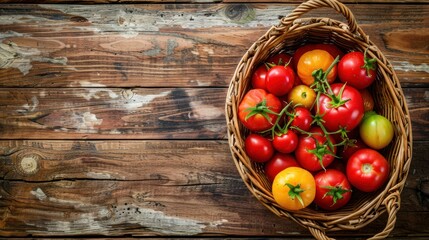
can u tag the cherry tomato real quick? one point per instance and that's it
(357, 70)
(330, 48)
(294, 188)
(339, 165)
(302, 118)
(333, 190)
(258, 110)
(344, 109)
(280, 80)
(313, 152)
(286, 142)
(258, 148)
(279, 59)
(367, 170)
(315, 60)
(347, 151)
(278, 163)
(368, 100)
(259, 76)
(376, 130)
(302, 95)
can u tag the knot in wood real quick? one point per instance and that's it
(28, 164)
(127, 94)
(240, 13)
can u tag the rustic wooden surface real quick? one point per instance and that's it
(112, 117)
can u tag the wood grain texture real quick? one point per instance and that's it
(194, 191)
(97, 113)
(112, 117)
(191, 45)
(141, 113)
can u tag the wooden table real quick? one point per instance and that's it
(112, 116)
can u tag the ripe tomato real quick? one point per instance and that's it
(286, 142)
(344, 109)
(258, 148)
(278, 163)
(376, 130)
(313, 152)
(259, 76)
(339, 165)
(333, 190)
(302, 118)
(302, 95)
(330, 48)
(368, 100)
(315, 60)
(258, 110)
(294, 188)
(357, 70)
(367, 170)
(347, 151)
(280, 80)
(279, 59)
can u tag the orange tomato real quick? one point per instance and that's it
(315, 60)
(294, 188)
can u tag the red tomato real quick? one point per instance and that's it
(313, 152)
(367, 170)
(286, 142)
(333, 191)
(368, 100)
(347, 151)
(330, 48)
(279, 162)
(258, 148)
(279, 59)
(258, 110)
(357, 70)
(302, 118)
(258, 77)
(339, 165)
(280, 80)
(342, 110)
(315, 60)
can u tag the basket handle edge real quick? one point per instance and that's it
(313, 4)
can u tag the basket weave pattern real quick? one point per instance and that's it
(291, 32)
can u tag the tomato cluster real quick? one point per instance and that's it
(312, 125)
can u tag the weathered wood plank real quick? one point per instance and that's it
(200, 196)
(151, 113)
(142, 113)
(170, 163)
(191, 45)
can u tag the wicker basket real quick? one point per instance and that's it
(292, 32)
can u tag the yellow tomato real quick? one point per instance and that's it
(315, 60)
(294, 188)
(302, 95)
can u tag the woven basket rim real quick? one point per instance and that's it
(384, 200)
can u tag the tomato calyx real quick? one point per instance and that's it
(336, 193)
(370, 63)
(321, 150)
(260, 108)
(295, 191)
(336, 100)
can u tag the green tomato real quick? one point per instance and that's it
(375, 130)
